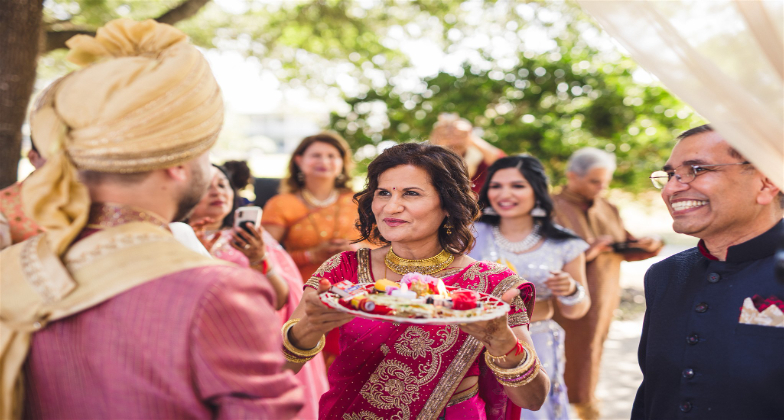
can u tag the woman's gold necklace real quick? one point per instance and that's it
(427, 266)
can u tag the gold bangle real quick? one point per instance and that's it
(501, 358)
(515, 372)
(512, 373)
(304, 354)
(523, 381)
(294, 359)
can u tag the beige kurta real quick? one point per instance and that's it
(585, 336)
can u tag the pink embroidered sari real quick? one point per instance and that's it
(404, 371)
(312, 375)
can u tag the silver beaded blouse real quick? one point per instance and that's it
(534, 266)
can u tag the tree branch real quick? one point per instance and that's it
(56, 39)
(186, 9)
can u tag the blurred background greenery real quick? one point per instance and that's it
(532, 76)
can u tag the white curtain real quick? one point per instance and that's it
(725, 58)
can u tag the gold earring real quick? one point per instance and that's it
(448, 228)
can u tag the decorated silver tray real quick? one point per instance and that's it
(424, 300)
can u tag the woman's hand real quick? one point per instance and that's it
(318, 320)
(200, 229)
(561, 283)
(250, 244)
(495, 334)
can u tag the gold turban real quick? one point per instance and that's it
(145, 100)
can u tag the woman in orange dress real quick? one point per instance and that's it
(314, 216)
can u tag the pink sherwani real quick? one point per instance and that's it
(198, 344)
(312, 375)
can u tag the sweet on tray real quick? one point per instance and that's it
(417, 298)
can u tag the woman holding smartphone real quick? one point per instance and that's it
(213, 222)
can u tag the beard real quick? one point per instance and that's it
(192, 195)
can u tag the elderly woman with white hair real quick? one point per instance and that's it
(581, 209)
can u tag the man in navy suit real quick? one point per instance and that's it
(712, 344)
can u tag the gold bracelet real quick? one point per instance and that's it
(501, 358)
(303, 354)
(523, 380)
(515, 372)
(294, 359)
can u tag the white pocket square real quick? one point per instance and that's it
(772, 316)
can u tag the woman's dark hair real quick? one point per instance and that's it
(533, 171)
(449, 176)
(239, 172)
(228, 221)
(292, 182)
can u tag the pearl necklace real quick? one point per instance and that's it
(315, 202)
(517, 247)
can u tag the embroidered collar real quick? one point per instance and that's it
(106, 215)
(757, 248)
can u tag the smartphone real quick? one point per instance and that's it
(244, 216)
(622, 247)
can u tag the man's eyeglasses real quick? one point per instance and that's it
(684, 173)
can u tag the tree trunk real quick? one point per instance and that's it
(20, 23)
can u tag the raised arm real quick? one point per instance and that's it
(315, 320)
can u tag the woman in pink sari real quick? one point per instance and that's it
(419, 204)
(212, 220)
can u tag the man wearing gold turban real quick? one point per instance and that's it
(106, 315)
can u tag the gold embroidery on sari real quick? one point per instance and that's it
(518, 319)
(362, 415)
(392, 385)
(451, 378)
(332, 263)
(446, 273)
(363, 268)
(393, 378)
(414, 343)
(471, 347)
(463, 396)
(475, 271)
(313, 282)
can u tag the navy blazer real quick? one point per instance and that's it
(697, 360)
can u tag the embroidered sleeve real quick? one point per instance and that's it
(571, 248)
(522, 306)
(337, 268)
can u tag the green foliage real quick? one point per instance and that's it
(569, 95)
(548, 105)
(64, 14)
